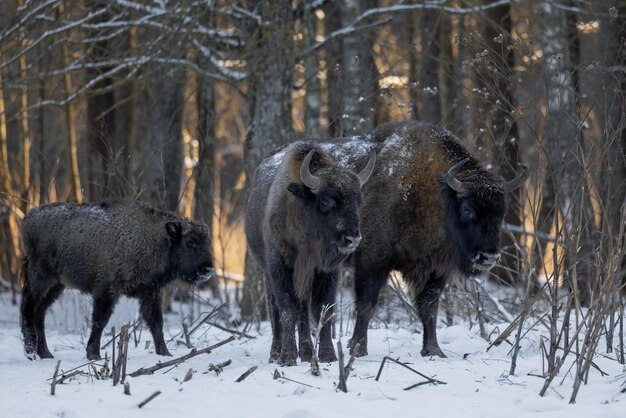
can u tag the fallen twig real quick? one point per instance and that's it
(342, 372)
(246, 374)
(429, 379)
(188, 376)
(315, 363)
(126, 388)
(192, 353)
(149, 398)
(219, 368)
(278, 375)
(348, 367)
(132, 327)
(234, 331)
(54, 378)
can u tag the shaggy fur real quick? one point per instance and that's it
(106, 249)
(299, 242)
(413, 222)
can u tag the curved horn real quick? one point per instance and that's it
(452, 181)
(309, 180)
(365, 174)
(517, 181)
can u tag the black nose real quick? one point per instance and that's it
(488, 258)
(352, 239)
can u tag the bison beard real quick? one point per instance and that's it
(302, 220)
(429, 211)
(106, 249)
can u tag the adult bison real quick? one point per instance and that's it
(302, 221)
(108, 249)
(429, 211)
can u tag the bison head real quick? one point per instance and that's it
(475, 209)
(191, 251)
(332, 200)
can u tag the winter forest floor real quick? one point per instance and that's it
(478, 382)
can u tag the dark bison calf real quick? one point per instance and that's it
(302, 221)
(106, 249)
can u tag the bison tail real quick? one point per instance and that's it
(23, 273)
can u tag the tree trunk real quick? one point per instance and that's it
(332, 54)
(313, 100)
(72, 142)
(204, 192)
(9, 224)
(272, 59)
(430, 105)
(500, 126)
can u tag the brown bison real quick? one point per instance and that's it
(430, 211)
(107, 249)
(302, 221)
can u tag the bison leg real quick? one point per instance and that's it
(40, 318)
(304, 334)
(367, 285)
(427, 303)
(103, 303)
(324, 291)
(281, 283)
(28, 306)
(276, 330)
(153, 315)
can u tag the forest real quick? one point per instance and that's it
(175, 103)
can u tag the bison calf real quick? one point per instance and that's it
(106, 249)
(302, 221)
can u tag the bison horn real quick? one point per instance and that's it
(365, 174)
(519, 180)
(454, 183)
(309, 180)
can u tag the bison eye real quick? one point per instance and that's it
(327, 204)
(467, 213)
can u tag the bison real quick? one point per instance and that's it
(430, 211)
(107, 249)
(302, 221)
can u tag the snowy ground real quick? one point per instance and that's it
(478, 383)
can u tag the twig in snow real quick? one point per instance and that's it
(246, 374)
(188, 376)
(348, 367)
(315, 362)
(342, 372)
(219, 368)
(233, 331)
(429, 379)
(149, 398)
(279, 375)
(126, 388)
(187, 339)
(54, 378)
(177, 361)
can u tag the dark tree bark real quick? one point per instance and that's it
(270, 104)
(500, 125)
(204, 192)
(430, 105)
(313, 99)
(332, 54)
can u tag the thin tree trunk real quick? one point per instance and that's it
(72, 142)
(430, 108)
(313, 100)
(271, 114)
(332, 54)
(9, 224)
(204, 192)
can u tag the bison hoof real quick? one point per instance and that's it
(45, 353)
(93, 356)
(359, 349)
(163, 351)
(327, 356)
(30, 354)
(287, 360)
(432, 351)
(306, 351)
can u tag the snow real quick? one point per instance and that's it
(477, 380)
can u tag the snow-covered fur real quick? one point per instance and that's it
(414, 222)
(299, 236)
(107, 249)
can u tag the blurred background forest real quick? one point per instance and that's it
(176, 102)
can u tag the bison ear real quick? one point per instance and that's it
(299, 190)
(174, 230)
